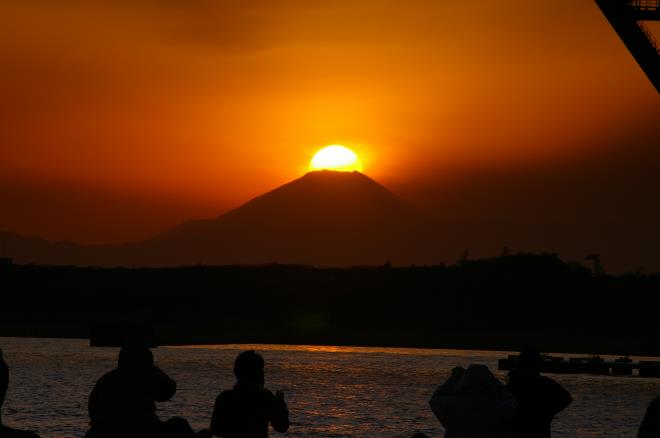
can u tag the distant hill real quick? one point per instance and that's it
(323, 218)
(33, 250)
(327, 218)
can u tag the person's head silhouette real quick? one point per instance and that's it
(135, 356)
(249, 368)
(530, 360)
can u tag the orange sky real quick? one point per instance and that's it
(120, 119)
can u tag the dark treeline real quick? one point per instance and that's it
(497, 303)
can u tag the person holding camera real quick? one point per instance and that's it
(247, 410)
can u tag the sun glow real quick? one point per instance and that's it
(336, 157)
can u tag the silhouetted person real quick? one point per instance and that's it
(123, 401)
(246, 410)
(650, 427)
(8, 432)
(539, 398)
(472, 403)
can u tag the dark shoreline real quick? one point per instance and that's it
(499, 304)
(465, 346)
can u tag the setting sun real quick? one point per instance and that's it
(336, 157)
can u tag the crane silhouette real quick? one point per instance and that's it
(627, 17)
(595, 259)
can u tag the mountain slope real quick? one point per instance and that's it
(321, 200)
(324, 217)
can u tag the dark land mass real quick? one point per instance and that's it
(500, 303)
(340, 219)
(323, 218)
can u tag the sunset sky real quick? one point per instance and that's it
(121, 119)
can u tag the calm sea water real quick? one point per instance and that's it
(331, 391)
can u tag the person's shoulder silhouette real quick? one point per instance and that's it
(8, 432)
(650, 427)
(129, 392)
(123, 401)
(539, 397)
(473, 403)
(248, 409)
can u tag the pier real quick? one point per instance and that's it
(595, 365)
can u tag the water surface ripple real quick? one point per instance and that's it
(331, 391)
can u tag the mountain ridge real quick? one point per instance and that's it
(321, 218)
(316, 189)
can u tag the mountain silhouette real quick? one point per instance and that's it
(323, 218)
(321, 200)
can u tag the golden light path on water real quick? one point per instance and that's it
(340, 349)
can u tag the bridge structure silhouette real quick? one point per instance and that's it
(627, 17)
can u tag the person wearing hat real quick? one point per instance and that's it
(123, 401)
(472, 403)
